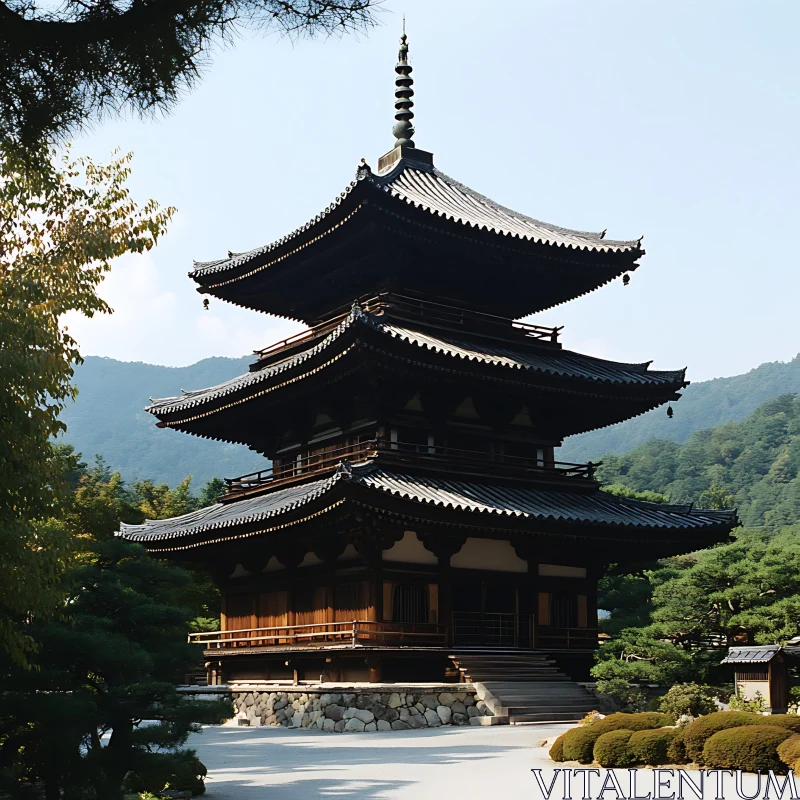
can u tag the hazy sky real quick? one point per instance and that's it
(676, 120)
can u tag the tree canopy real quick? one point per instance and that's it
(753, 465)
(62, 64)
(60, 228)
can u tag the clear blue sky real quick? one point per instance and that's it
(675, 120)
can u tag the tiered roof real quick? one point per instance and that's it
(375, 341)
(496, 506)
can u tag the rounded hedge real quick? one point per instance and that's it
(789, 751)
(557, 749)
(789, 721)
(676, 749)
(750, 747)
(578, 744)
(611, 749)
(651, 747)
(697, 733)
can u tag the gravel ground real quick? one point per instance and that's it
(281, 764)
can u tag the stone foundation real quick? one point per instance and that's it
(363, 708)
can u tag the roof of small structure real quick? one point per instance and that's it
(752, 654)
(522, 357)
(493, 505)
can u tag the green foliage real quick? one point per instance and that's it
(676, 749)
(626, 696)
(693, 699)
(60, 229)
(704, 405)
(110, 661)
(612, 749)
(753, 465)
(620, 490)
(181, 771)
(557, 749)
(697, 733)
(578, 743)
(789, 751)
(755, 705)
(651, 747)
(64, 65)
(751, 748)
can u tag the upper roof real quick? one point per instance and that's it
(499, 505)
(515, 358)
(415, 230)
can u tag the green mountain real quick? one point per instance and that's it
(108, 419)
(703, 405)
(753, 465)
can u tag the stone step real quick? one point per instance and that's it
(545, 708)
(544, 719)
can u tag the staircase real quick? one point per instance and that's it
(523, 686)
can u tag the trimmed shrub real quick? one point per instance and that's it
(651, 747)
(789, 751)
(557, 749)
(694, 699)
(789, 721)
(676, 749)
(578, 744)
(644, 721)
(181, 770)
(611, 749)
(751, 748)
(696, 733)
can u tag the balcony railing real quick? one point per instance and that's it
(412, 308)
(407, 453)
(551, 638)
(354, 634)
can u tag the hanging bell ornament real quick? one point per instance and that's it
(670, 412)
(205, 303)
(626, 279)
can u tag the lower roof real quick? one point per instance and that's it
(752, 654)
(494, 505)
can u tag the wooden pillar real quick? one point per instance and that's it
(374, 664)
(529, 594)
(446, 597)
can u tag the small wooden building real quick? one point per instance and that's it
(762, 670)
(413, 508)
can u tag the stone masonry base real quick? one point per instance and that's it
(372, 707)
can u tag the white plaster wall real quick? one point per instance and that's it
(488, 554)
(273, 565)
(310, 560)
(411, 550)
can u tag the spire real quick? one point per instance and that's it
(403, 130)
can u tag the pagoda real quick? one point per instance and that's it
(411, 511)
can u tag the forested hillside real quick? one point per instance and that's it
(703, 405)
(753, 465)
(108, 419)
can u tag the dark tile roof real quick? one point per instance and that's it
(518, 500)
(523, 356)
(751, 654)
(425, 187)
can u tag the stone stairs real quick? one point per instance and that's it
(523, 686)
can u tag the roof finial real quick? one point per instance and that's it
(403, 130)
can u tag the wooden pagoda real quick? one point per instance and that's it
(411, 508)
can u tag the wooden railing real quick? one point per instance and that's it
(566, 638)
(355, 633)
(403, 453)
(426, 311)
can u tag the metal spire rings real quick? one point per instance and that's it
(403, 130)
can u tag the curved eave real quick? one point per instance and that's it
(462, 502)
(658, 387)
(446, 197)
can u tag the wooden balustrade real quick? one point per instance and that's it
(355, 633)
(402, 453)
